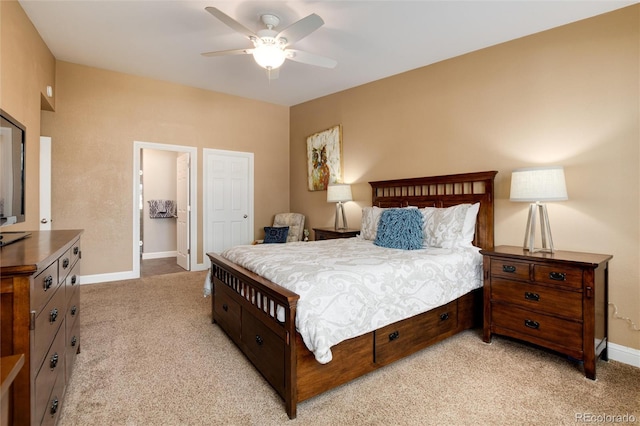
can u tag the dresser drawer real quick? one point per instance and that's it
(567, 334)
(400, 339)
(73, 345)
(558, 275)
(510, 269)
(44, 285)
(227, 312)
(265, 349)
(52, 370)
(548, 300)
(54, 404)
(72, 282)
(73, 310)
(64, 264)
(48, 323)
(75, 252)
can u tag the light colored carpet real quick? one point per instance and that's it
(150, 356)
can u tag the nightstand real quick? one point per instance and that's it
(331, 233)
(555, 300)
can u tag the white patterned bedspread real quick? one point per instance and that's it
(349, 286)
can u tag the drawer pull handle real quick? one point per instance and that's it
(53, 315)
(508, 268)
(557, 276)
(532, 324)
(76, 250)
(225, 307)
(54, 406)
(393, 336)
(65, 263)
(535, 297)
(53, 361)
(444, 316)
(74, 280)
(74, 340)
(74, 309)
(48, 282)
(259, 340)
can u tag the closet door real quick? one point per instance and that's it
(183, 210)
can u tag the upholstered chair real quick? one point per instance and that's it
(295, 222)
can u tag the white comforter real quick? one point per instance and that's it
(349, 287)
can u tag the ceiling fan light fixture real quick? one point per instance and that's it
(269, 56)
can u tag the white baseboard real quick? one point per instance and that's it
(624, 354)
(104, 278)
(126, 275)
(159, 255)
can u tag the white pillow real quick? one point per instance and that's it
(469, 226)
(443, 227)
(370, 219)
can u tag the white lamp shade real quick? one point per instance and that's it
(338, 192)
(538, 184)
(269, 56)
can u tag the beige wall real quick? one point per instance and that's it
(99, 114)
(27, 67)
(568, 96)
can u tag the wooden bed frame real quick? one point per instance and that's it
(243, 303)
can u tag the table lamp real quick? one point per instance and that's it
(339, 193)
(536, 185)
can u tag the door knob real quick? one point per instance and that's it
(44, 220)
(245, 216)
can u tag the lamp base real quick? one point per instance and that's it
(545, 229)
(340, 212)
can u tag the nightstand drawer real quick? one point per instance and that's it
(510, 269)
(564, 333)
(548, 300)
(560, 275)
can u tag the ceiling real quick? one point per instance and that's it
(369, 39)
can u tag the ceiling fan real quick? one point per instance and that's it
(270, 47)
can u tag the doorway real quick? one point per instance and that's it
(189, 228)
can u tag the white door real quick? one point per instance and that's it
(45, 183)
(228, 199)
(183, 210)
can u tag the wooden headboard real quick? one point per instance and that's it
(443, 191)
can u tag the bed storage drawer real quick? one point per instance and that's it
(265, 350)
(405, 337)
(226, 312)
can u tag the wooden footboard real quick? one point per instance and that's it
(259, 316)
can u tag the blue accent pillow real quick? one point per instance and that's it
(400, 229)
(275, 234)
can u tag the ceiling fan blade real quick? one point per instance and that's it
(310, 58)
(230, 22)
(273, 74)
(300, 29)
(229, 52)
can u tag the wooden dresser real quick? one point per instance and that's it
(558, 301)
(40, 302)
